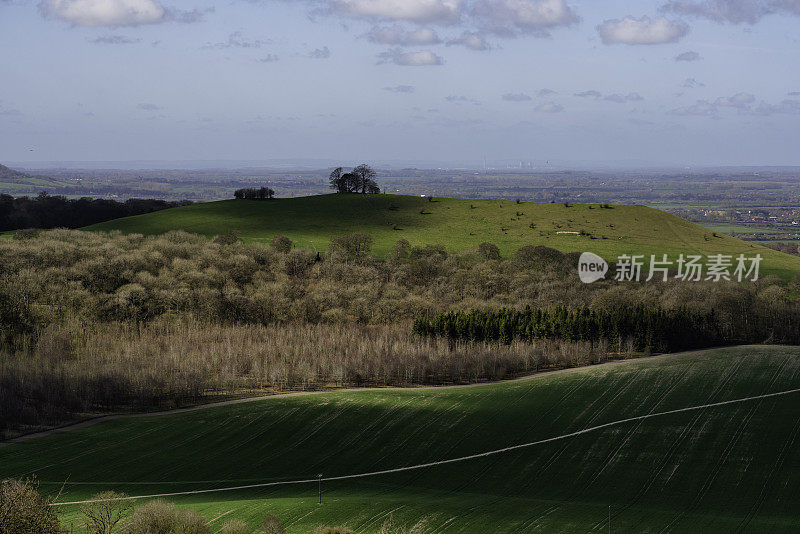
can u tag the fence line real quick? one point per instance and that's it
(441, 462)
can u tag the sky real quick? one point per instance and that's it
(445, 82)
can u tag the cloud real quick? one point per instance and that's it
(786, 107)
(545, 92)
(269, 58)
(643, 31)
(320, 53)
(535, 17)
(516, 97)
(456, 98)
(410, 59)
(550, 107)
(114, 40)
(702, 108)
(444, 12)
(730, 11)
(792, 6)
(400, 89)
(237, 40)
(398, 36)
(105, 12)
(738, 101)
(688, 56)
(589, 94)
(743, 103)
(145, 106)
(471, 40)
(624, 99)
(691, 83)
(794, 93)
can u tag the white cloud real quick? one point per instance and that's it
(787, 107)
(105, 12)
(702, 108)
(320, 53)
(410, 59)
(418, 11)
(624, 99)
(237, 40)
(643, 31)
(550, 107)
(400, 89)
(536, 17)
(688, 56)
(546, 92)
(691, 83)
(471, 40)
(398, 36)
(114, 40)
(516, 97)
(589, 94)
(738, 101)
(731, 11)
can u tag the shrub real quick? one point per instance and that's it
(281, 243)
(489, 251)
(191, 522)
(333, 530)
(235, 526)
(154, 517)
(231, 238)
(24, 511)
(353, 246)
(272, 525)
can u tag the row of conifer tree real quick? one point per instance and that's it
(647, 329)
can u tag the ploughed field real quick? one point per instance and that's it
(458, 224)
(734, 467)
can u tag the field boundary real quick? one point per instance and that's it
(533, 376)
(443, 462)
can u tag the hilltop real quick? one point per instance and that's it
(9, 174)
(716, 469)
(459, 224)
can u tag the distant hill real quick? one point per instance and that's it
(456, 223)
(8, 174)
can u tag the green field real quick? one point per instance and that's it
(457, 223)
(722, 469)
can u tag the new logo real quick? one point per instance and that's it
(591, 268)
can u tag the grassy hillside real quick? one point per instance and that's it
(19, 183)
(459, 224)
(722, 469)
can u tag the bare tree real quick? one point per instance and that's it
(101, 517)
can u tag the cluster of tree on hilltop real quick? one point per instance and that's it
(251, 193)
(46, 211)
(360, 180)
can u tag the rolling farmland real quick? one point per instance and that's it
(724, 468)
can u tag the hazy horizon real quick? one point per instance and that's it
(619, 84)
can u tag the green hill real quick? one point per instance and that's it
(18, 183)
(459, 224)
(731, 467)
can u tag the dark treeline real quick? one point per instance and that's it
(640, 328)
(47, 211)
(647, 329)
(251, 193)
